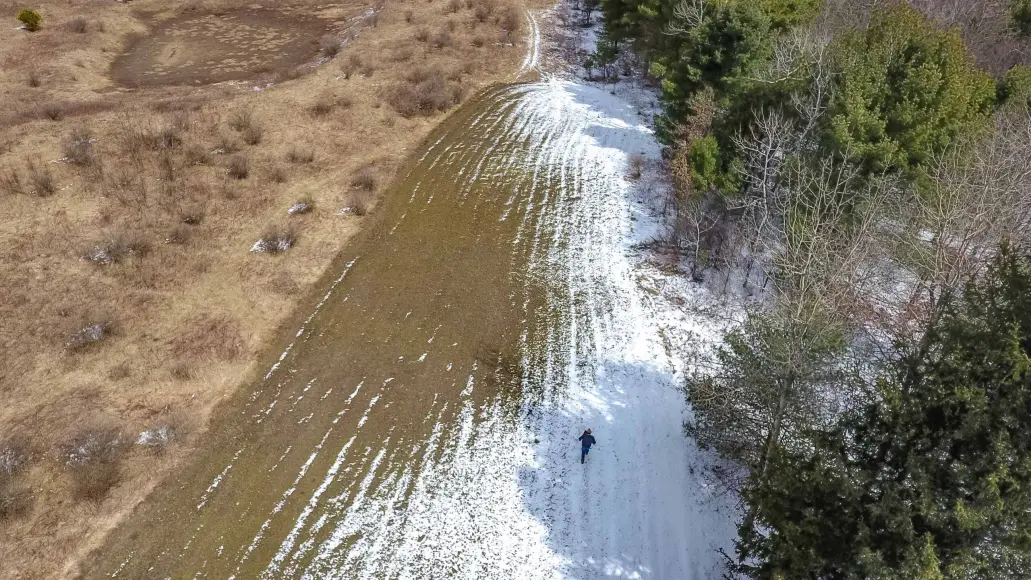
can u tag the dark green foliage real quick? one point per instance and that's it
(1015, 87)
(905, 90)
(1021, 14)
(31, 19)
(933, 478)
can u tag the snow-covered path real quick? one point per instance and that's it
(422, 423)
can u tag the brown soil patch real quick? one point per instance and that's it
(210, 48)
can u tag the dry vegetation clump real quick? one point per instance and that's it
(426, 91)
(278, 174)
(78, 147)
(300, 155)
(77, 25)
(252, 135)
(226, 145)
(41, 179)
(116, 247)
(208, 337)
(93, 457)
(441, 39)
(33, 79)
(330, 46)
(364, 179)
(53, 111)
(636, 165)
(238, 167)
(322, 106)
(275, 240)
(241, 120)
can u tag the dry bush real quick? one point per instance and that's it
(278, 174)
(241, 119)
(167, 137)
(635, 165)
(301, 155)
(34, 80)
(330, 46)
(322, 106)
(422, 35)
(41, 179)
(453, 7)
(275, 240)
(441, 39)
(252, 135)
(77, 25)
(478, 41)
(364, 178)
(408, 16)
(196, 155)
(483, 11)
(237, 168)
(226, 145)
(15, 500)
(119, 371)
(54, 111)
(10, 180)
(208, 337)
(403, 54)
(178, 235)
(78, 147)
(358, 203)
(180, 371)
(425, 93)
(93, 456)
(117, 247)
(510, 21)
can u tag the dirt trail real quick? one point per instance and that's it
(422, 421)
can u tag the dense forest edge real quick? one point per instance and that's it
(859, 174)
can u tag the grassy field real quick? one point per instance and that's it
(146, 150)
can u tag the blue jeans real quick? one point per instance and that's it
(583, 452)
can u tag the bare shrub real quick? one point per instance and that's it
(78, 147)
(358, 203)
(478, 41)
(403, 54)
(364, 178)
(34, 80)
(322, 106)
(41, 179)
(422, 35)
(510, 21)
(119, 371)
(180, 371)
(208, 337)
(167, 137)
(252, 135)
(53, 111)
(408, 16)
(77, 25)
(426, 92)
(93, 455)
(241, 119)
(300, 155)
(191, 217)
(10, 180)
(330, 46)
(238, 167)
(441, 39)
(453, 7)
(278, 175)
(635, 164)
(275, 240)
(196, 155)
(178, 235)
(483, 11)
(226, 145)
(15, 500)
(117, 247)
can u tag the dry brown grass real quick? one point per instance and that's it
(167, 321)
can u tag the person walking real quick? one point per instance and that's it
(586, 440)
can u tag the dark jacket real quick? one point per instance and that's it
(587, 440)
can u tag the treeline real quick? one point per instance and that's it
(850, 167)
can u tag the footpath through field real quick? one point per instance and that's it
(422, 420)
